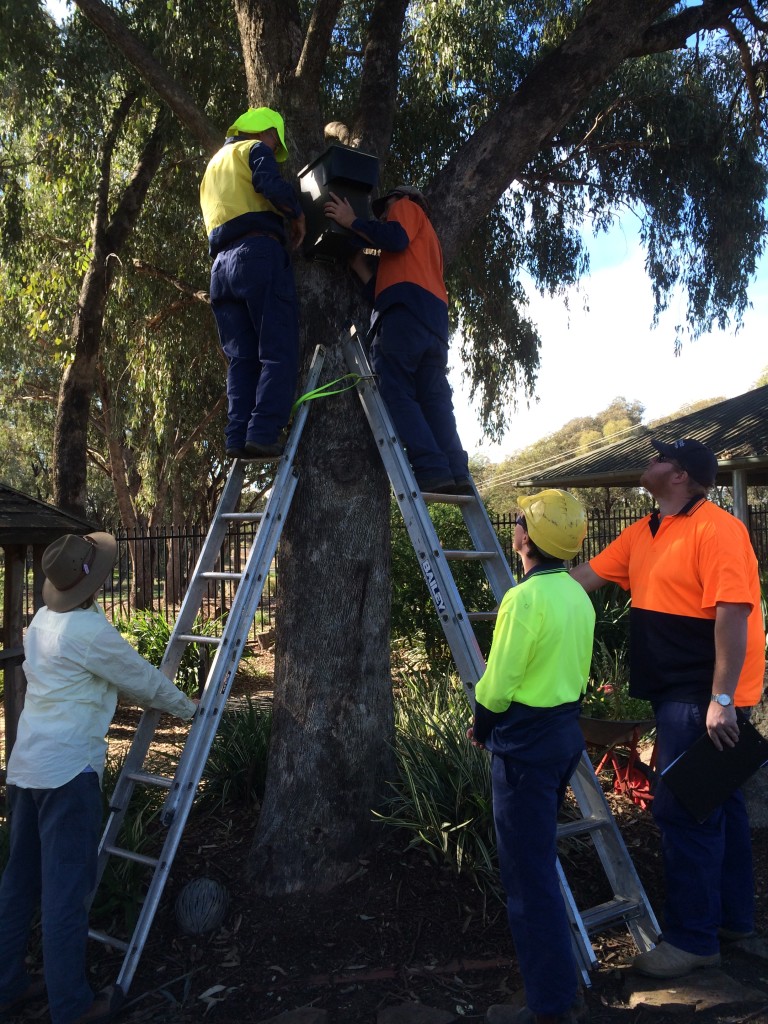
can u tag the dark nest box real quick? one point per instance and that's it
(350, 174)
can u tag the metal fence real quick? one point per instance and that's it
(153, 569)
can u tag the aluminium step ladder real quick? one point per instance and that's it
(629, 905)
(182, 788)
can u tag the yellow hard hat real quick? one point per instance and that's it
(259, 119)
(555, 521)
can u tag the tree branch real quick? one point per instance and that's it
(608, 32)
(135, 192)
(152, 72)
(101, 206)
(672, 33)
(371, 127)
(163, 275)
(317, 42)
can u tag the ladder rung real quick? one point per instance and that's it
(482, 616)
(580, 826)
(617, 910)
(448, 499)
(107, 940)
(221, 575)
(139, 858)
(193, 638)
(148, 779)
(242, 517)
(469, 556)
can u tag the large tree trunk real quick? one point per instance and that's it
(330, 753)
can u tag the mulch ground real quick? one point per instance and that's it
(401, 930)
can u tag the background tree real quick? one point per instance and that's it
(521, 123)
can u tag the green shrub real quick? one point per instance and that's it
(442, 795)
(237, 764)
(149, 632)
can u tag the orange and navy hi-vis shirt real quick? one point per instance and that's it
(410, 270)
(678, 569)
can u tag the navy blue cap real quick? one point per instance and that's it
(699, 462)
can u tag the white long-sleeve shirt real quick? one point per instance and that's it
(76, 664)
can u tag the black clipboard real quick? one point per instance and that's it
(703, 777)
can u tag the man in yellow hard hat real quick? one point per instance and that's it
(527, 714)
(250, 213)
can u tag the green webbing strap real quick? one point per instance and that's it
(324, 391)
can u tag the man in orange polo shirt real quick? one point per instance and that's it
(697, 646)
(409, 353)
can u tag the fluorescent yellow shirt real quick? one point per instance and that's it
(542, 644)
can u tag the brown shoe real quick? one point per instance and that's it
(103, 1008)
(667, 961)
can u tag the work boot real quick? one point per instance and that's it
(254, 450)
(667, 961)
(463, 485)
(438, 485)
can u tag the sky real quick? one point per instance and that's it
(589, 357)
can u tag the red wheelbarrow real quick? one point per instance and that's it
(632, 777)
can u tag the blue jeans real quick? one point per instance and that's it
(411, 365)
(526, 800)
(52, 863)
(708, 865)
(253, 297)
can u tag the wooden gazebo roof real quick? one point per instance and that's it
(26, 520)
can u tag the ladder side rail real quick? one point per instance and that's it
(580, 941)
(149, 907)
(614, 856)
(192, 762)
(224, 665)
(485, 538)
(209, 555)
(426, 544)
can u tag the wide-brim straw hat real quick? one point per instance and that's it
(75, 568)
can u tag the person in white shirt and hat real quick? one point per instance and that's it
(76, 664)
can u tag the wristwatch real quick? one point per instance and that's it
(723, 699)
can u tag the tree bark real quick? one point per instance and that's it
(332, 725)
(80, 377)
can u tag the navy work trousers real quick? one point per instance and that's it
(52, 863)
(253, 297)
(411, 363)
(526, 800)
(708, 865)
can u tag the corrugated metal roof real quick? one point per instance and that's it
(736, 430)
